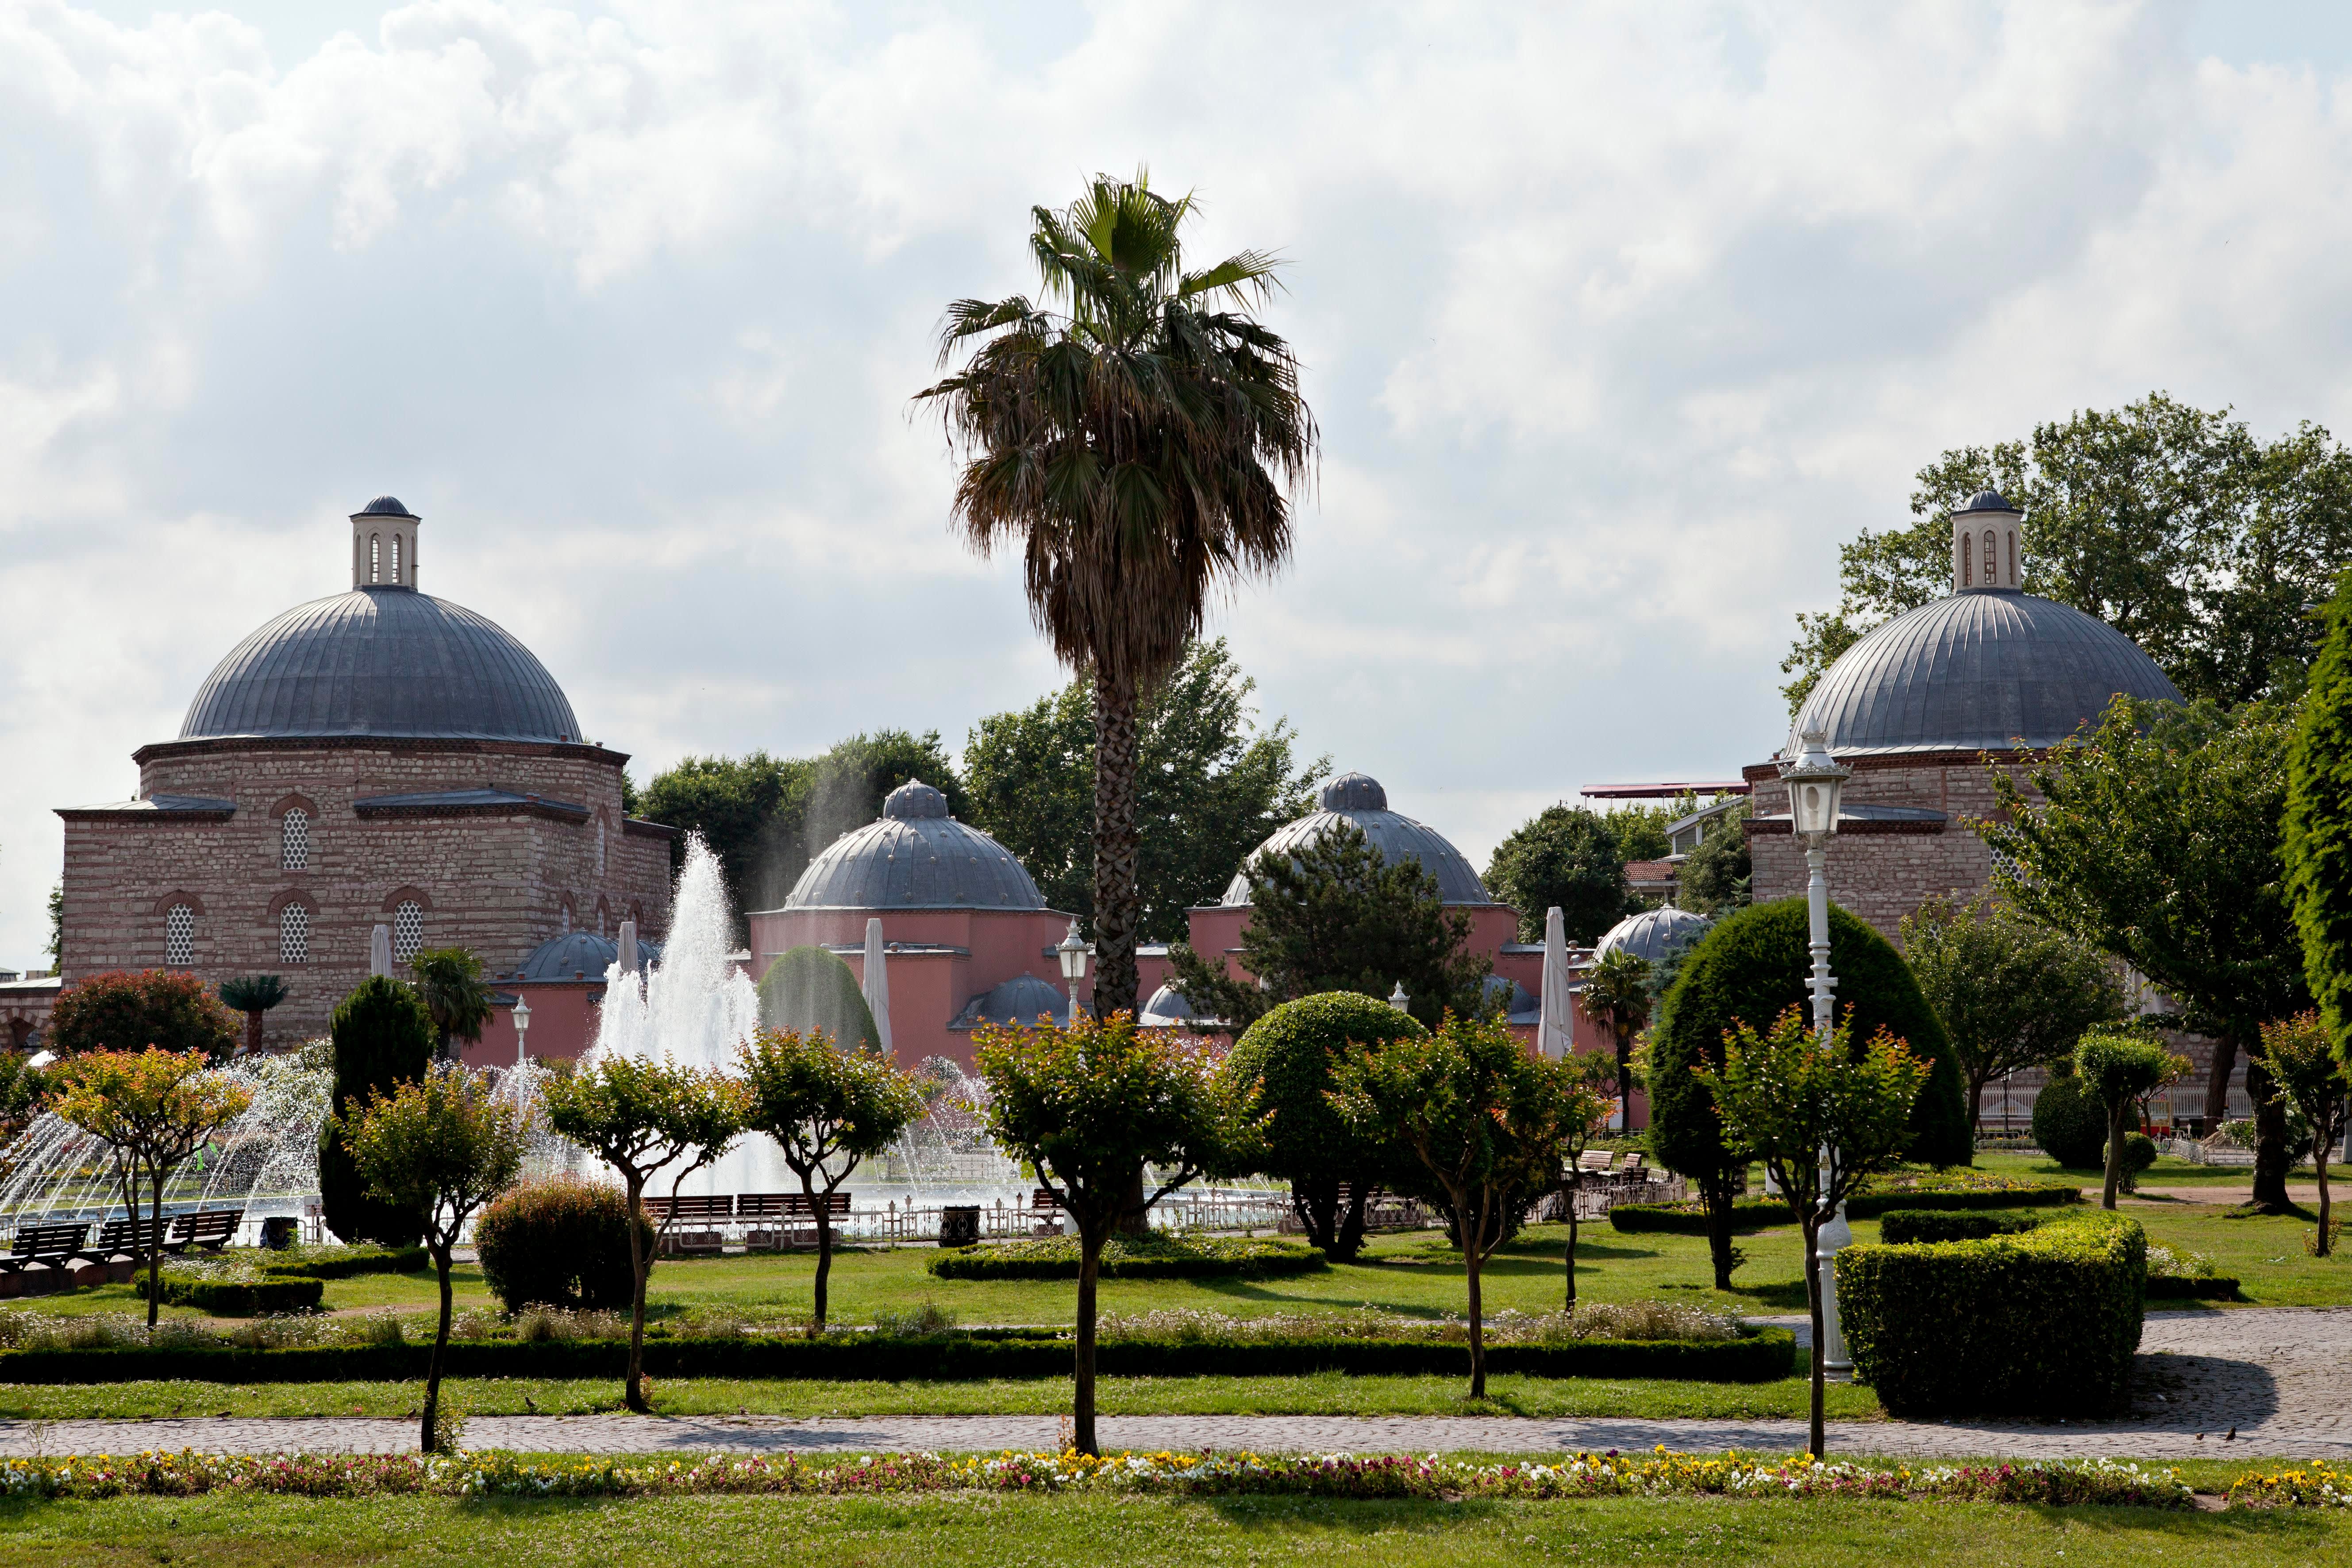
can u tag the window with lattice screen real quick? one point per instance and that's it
(179, 935)
(293, 934)
(294, 840)
(408, 929)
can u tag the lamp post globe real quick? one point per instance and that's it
(522, 1026)
(1072, 951)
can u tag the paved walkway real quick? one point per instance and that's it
(2282, 1377)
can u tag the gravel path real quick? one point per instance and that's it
(2280, 1376)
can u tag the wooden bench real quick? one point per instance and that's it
(1045, 1213)
(42, 1257)
(787, 1206)
(705, 1209)
(123, 1244)
(210, 1229)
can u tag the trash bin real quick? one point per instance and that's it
(277, 1232)
(960, 1226)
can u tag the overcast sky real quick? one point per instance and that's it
(1617, 320)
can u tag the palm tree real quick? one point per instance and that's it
(449, 984)
(1618, 987)
(1137, 436)
(252, 995)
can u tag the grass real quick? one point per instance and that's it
(1111, 1532)
(2167, 1171)
(1321, 1393)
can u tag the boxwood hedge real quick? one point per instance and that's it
(2041, 1323)
(229, 1295)
(1056, 1258)
(1904, 1225)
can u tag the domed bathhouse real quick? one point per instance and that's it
(1916, 708)
(379, 757)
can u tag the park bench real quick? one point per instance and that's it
(43, 1259)
(122, 1243)
(1046, 1213)
(709, 1210)
(210, 1229)
(789, 1206)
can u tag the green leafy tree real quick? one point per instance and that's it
(1112, 1119)
(1333, 915)
(23, 1091)
(810, 990)
(1481, 1118)
(381, 1037)
(1211, 787)
(2158, 839)
(1617, 991)
(151, 1109)
(449, 982)
(1582, 1090)
(2178, 527)
(1137, 448)
(253, 995)
(2069, 1123)
(1567, 856)
(2318, 826)
(1279, 1074)
(641, 1118)
(1821, 1116)
(2012, 993)
(1752, 967)
(1715, 877)
(443, 1147)
(827, 1110)
(2121, 1068)
(2313, 1079)
(1640, 831)
(168, 1009)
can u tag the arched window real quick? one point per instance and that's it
(1992, 560)
(600, 846)
(179, 936)
(375, 557)
(2013, 558)
(293, 934)
(396, 558)
(408, 929)
(1968, 563)
(294, 840)
(567, 917)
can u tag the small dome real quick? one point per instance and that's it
(1166, 1009)
(914, 799)
(1354, 797)
(1989, 500)
(1520, 1005)
(1021, 1000)
(380, 661)
(582, 952)
(385, 506)
(1653, 935)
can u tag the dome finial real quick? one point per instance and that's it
(384, 545)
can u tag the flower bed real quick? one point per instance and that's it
(1132, 1257)
(2315, 1485)
(2076, 1482)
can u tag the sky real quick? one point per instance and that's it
(1616, 319)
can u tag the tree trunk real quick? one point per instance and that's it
(1470, 1262)
(1349, 1242)
(1715, 1198)
(1082, 1410)
(2217, 1082)
(632, 1392)
(424, 1440)
(154, 1250)
(1815, 1437)
(1116, 900)
(2115, 1115)
(253, 1032)
(1624, 1080)
(1336, 1227)
(1976, 1106)
(1134, 1217)
(823, 1260)
(1575, 1182)
(2271, 1156)
(2319, 1167)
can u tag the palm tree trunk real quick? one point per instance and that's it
(1116, 900)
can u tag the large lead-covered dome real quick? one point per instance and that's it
(1981, 670)
(916, 857)
(1354, 797)
(380, 661)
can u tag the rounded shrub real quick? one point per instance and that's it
(382, 1037)
(2070, 1123)
(2139, 1151)
(1750, 969)
(562, 1242)
(808, 988)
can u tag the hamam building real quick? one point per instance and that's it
(377, 757)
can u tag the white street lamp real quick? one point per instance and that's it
(522, 1026)
(1072, 951)
(1815, 780)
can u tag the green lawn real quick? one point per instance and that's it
(2167, 1171)
(1015, 1532)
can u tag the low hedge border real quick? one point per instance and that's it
(345, 1263)
(1753, 1214)
(1689, 1219)
(234, 1298)
(1899, 1226)
(2043, 1323)
(2175, 1288)
(1027, 1260)
(1764, 1355)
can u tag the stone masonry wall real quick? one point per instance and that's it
(499, 884)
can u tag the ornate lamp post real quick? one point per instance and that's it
(1398, 999)
(1072, 951)
(1815, 780)
(522, 1027)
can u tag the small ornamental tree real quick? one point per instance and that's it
(643, 1117)
(151, 1109)
(382, 1037)
(2121, 1070)
(809, 991)
(828, 1110)
(449, 982)
(253, 995)
(1618, 989)
(23, 1092)
(1278, 1075)
(443, 1147)
(1582, 1089)
(2310, 1078)
(168, 1009)
(1821, 1118)
(1479, 1115)
(1094, 1109)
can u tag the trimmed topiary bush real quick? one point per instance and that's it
(382, 1037)
(562, 1242)
(1902, 1226)
(808, 988)
(2139, 1152)
(228, 1296)
(1132, 1257)
(2043, 1323)
(2070, 1123)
